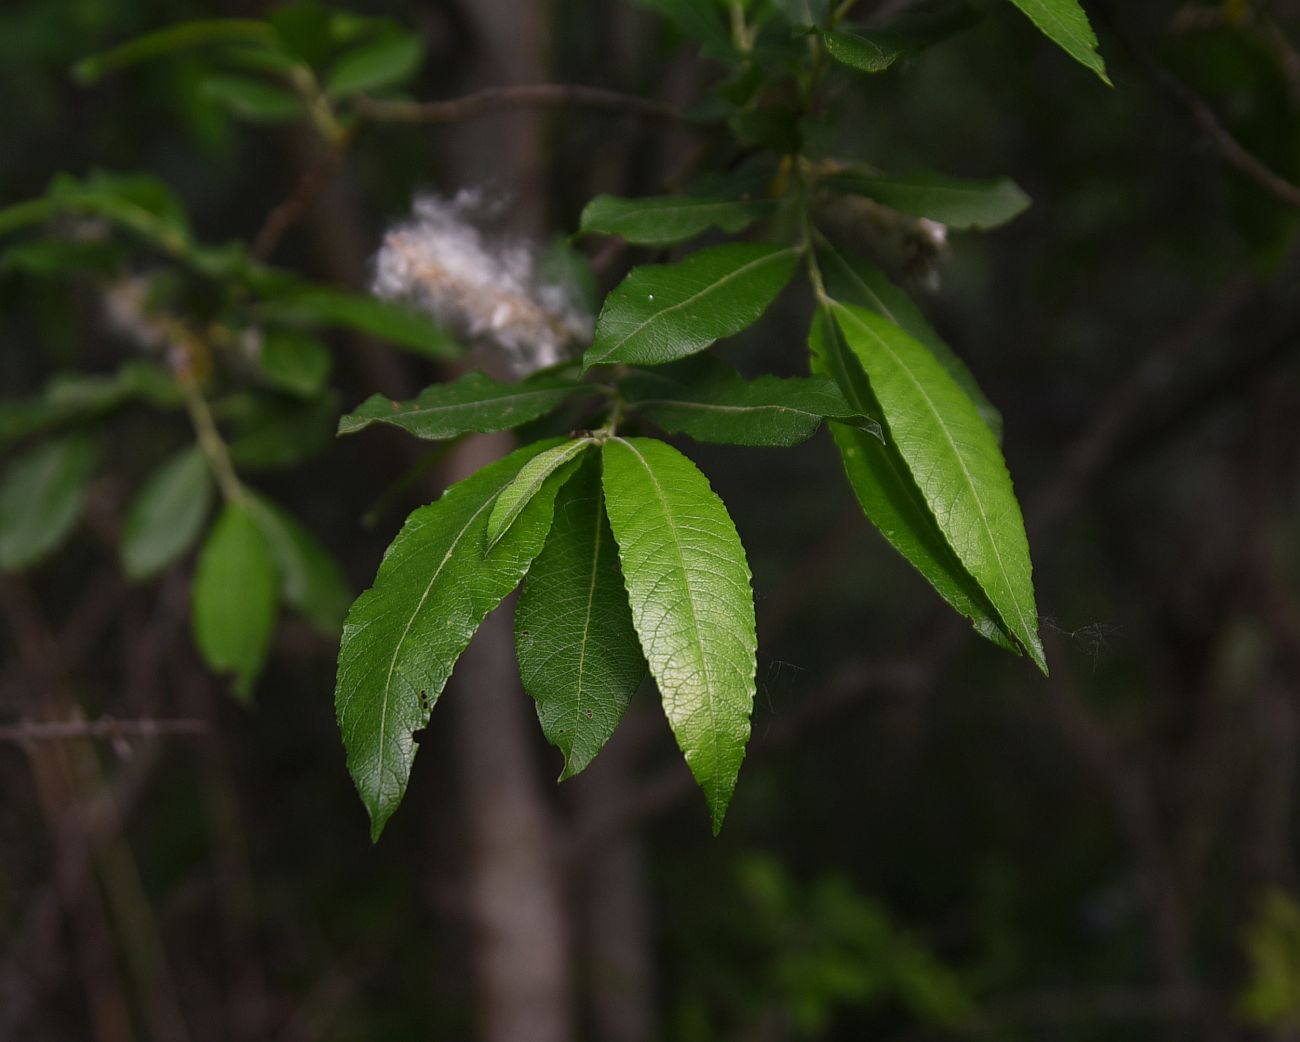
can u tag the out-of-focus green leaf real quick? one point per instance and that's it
(391, 59)
(167, 515)
(233, 598)
(957, 203)
(40, 499)
(877, 49)
(701, 22)
(280, 432)
(474, 402)
(403, 636)
(579, 657)
(662, 312)
(251, 99)
(661, 220)
(688, 586)
(382, 319)
(294, 361)
(172, 39)
(311, 581)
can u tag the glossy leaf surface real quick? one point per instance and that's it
(955, 462)
(579, 657)
(474, 402)
(402, 637)
(1065, 24)
(662, 312)
(888, 495)
(688, 585)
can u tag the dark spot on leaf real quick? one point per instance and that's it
(589, 714)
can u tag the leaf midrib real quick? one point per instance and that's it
(712, 287)
(690, 598)
(966, 474)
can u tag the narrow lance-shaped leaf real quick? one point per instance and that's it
(403, 636)
(952, 201)
(388, 60)
(40, 499)
(875, 50)
(251, 99)
(853, 281)
(578, 654)
(233, 598)
(709, 401)
(527, 483)
(472, 403)
(956, 463)
(383, 319)
(172, 39)
(662, 220)
(662, 312)
(311, 581)
(688, 585)
(165, 518)
(1065, 24)
(888, 495)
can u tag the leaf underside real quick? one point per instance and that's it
(688, 585)
(956, 202)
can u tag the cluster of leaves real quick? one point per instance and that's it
(629, 560)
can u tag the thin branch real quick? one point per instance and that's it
(495, 99)
(103, 728)
(309, 186)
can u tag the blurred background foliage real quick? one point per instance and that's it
(928, 840)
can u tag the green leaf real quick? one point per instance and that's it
(165, 518)
(662, 220)
(171, 40)
(294, 361)
(404, 634)
(527, 483)
(310, 579)
(957, 203)
(474, 402)
(40, 499)
(700, 22)
(853, 281)
(888, 495)
(382, 319)
(578, 654)
(662, 312)
(251, 99)
(688, 585)
(1065, 24)
(391, 59)
(233, 598)
(955, 462)
(709, 401)
(805, 12)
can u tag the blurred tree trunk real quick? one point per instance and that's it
(521, 960)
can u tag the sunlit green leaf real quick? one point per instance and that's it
(527, 483)
(1064, 22)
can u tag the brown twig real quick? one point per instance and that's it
(309, 186)
(494, 99)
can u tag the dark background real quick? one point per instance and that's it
(929, 840)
